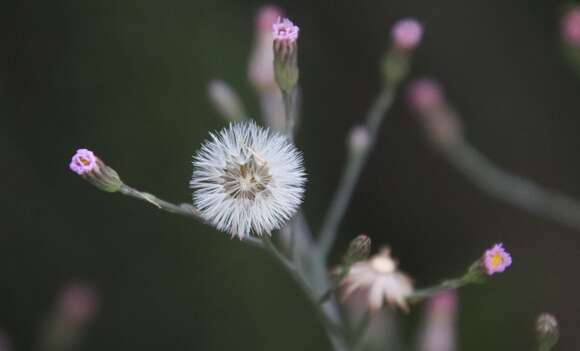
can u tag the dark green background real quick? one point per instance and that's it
(127, 79)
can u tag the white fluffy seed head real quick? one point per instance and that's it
(247, 179)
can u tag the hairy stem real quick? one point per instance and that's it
(352, 172)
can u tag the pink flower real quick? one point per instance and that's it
(266, 17)
(83, 161)
(407, 33)
(496, 259)
(78, 302)
(284, 30)
(570, 27)
(425, 95)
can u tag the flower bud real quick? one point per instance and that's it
(406, 35)
(225, 100)
(441, 124)
(570, 27)
(285, 35)
(78, 303)
(261, 68)
(547, 330)
(92, 169)
(359, 140)
(359, 249)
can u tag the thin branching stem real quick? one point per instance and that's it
(425, 293)
(183, 209)
(513, 189)
(352, 171)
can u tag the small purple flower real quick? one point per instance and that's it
(496, 259)
(570, 27)
(407, 33)
(284, 30)
(83, 161)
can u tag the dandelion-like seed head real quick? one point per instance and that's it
(285, 30)
(496, 259)
(83, 161)
(247, 179)
(379, 278)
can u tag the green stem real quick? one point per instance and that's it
(352, 172)
(513, 189)
(183, 209)
(422, 294)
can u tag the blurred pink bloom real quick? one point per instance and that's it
(570, 27)
(496, 259)
(284, 30)
(78, 303)
(425, 95)
(83, 161)
(438, 332)
(407, 33)
(261, 66)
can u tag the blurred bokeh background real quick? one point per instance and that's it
(128, 80)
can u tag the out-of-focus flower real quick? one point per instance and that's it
(426, 98)
(92, 169)
(78, 303)
(438, 332)
(570, 27)
(406, 34)
(285, 35)
(425, 95)
(381, 280)
(496, 259)
(261, 65)
(547, 331)
(83, 161)
(359, 140)
(247, 179)
(4, 342)
(225, 100)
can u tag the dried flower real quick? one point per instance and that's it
(285, 35)
(261, 65)
(247, 179)
(570, 27)
(83, 161)
(496, 259)
(547, 331)
(92, 169)
(406, 34)
(379, 277)
(225, 100)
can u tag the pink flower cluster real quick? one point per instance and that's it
(284, 30)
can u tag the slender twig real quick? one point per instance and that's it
(352, 172)
(422, 294)
(183, 209)
(301, 281)
(513, 189)
(287, 97)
